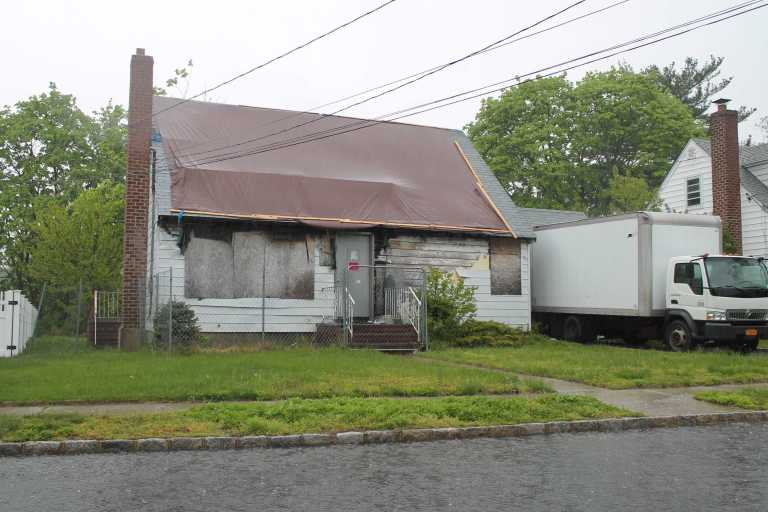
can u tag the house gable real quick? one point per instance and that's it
(693, 162)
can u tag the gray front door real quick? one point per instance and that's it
(355, 249)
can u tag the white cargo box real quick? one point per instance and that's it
(614, 265)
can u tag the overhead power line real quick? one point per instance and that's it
(562, 67)
(276, 58)
(387, 84)
(417, 78)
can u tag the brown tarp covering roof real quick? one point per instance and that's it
(389, 174)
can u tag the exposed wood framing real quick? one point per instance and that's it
(258, 216)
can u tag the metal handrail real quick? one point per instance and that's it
(414, 314)
(349, 315)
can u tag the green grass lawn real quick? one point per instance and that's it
(307, 416)
(756, 399)
(614, 367)
(56, 369)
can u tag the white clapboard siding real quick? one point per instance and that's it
(693, 162)
(509, 309)
(245, 314)
(754, 219)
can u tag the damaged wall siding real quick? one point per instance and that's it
(244, 314)
(509, 309)
(470, 258)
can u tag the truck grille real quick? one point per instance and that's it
(746, 314)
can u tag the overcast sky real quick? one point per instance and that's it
(85, 47)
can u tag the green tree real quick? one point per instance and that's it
(583, 146)
(50, 150)
(77, 247)
(695, 84)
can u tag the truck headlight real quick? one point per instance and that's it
(716, 315)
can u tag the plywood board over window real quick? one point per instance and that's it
(505, 266)
(222, 262)
(208, 262)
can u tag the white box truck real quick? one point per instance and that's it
(646, 276)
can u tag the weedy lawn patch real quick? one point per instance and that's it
(59, 370)
(614, 367)
(748, 398)
(312, 416)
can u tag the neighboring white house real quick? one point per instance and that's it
(688, 188)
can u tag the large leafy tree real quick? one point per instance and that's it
(695, 83)
(50, 151)
(77, 247)
(602, 145)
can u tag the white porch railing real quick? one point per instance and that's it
(349, 315)
(404, 305)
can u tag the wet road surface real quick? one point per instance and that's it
(696, 469)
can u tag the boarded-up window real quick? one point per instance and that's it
(289, 272)
(208, 267)
(505, 266)
(242, 264)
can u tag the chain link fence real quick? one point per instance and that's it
(388, 314)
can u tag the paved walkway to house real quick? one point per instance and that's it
(649, 401)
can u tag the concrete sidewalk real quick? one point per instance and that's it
(650, 401)
(99, 409)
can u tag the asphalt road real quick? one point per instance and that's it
(696, 469)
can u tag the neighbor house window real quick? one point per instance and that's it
(693, 190)
(505, 266)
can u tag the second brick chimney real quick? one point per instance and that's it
(136, 196)
(726, 178)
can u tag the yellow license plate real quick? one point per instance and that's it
(751, 332)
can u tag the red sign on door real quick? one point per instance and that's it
(353, 266)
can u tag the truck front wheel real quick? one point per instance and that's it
(677, 336)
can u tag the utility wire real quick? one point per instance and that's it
(688, 23)
(273, 59)
(402, 79)
(518, 77)
(413, 79)
(408, 112)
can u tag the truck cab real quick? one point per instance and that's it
(716, 298)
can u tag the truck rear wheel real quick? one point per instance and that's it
(578, 329)
(677, 336)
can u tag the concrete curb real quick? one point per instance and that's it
(72, 447)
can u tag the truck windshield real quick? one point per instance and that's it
(736, 277)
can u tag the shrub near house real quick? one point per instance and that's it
(451, 316)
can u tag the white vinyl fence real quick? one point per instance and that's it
(17, 322)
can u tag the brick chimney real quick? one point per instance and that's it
(137, 183)
(726, 179)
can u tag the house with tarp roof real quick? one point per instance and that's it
(269, 229)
